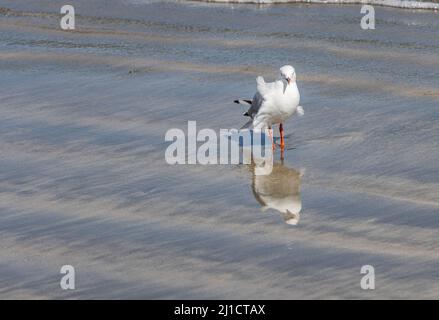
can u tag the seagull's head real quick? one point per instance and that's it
(288, 74)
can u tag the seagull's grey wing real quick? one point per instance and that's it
(256, 105)
(263, 89)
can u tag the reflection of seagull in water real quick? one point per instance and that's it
(274, 102)
(279, 190)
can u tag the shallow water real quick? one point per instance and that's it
(83, 179)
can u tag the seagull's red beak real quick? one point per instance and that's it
(289, 80)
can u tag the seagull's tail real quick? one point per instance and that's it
(300, 111)
(244, 102)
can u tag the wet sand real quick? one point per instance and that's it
(84, 181)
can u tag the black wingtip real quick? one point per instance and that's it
(243, 101)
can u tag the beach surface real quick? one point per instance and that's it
(83, 176)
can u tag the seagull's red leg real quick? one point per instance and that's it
(270, 133)
(282, 141)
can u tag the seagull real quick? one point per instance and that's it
(273, 103)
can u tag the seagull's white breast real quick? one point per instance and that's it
(278, 104)
(287, 102)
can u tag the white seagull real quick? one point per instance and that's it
(274, 102)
